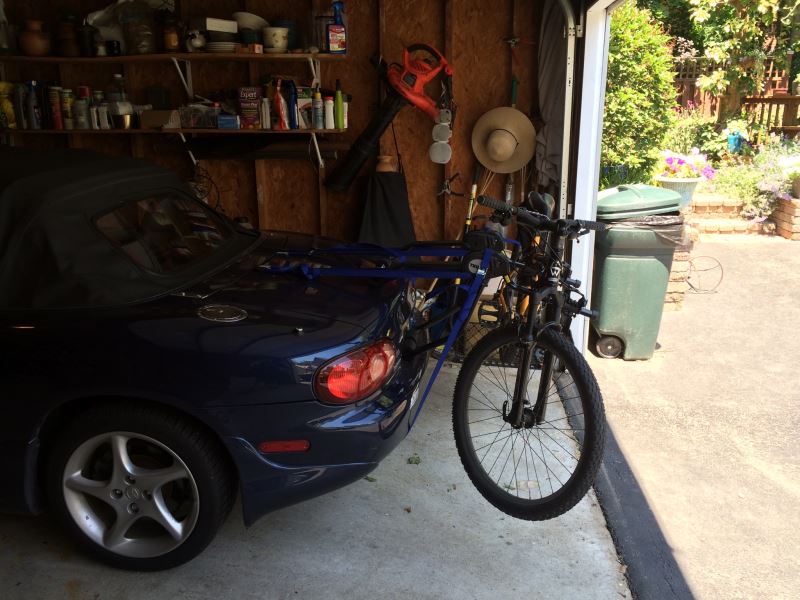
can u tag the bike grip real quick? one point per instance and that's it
(593, 225)
(496, 204)
(589, 313)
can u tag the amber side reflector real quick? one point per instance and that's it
(284, 446)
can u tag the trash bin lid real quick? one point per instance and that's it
(636, 200)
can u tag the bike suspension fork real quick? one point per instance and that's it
(516, 416)
(552, 319)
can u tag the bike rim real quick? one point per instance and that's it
(130, 494)
(534, 462)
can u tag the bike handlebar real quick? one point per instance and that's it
(540, 221)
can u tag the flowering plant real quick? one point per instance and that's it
(683, 166)
(790, 165)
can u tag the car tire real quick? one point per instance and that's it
(117, 474)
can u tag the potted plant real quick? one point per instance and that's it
(682, 172)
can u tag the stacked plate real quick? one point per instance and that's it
(222, 47)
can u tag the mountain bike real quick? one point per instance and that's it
(528, 415)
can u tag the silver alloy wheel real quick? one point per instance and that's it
(131, 494)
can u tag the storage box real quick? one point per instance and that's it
(228, 121)
(198, 116)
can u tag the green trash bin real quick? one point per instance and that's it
(632, 262)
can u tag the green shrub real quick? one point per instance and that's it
(760, 181)
(640, 96)
(691, 129)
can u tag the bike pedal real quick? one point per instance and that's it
(489, 313)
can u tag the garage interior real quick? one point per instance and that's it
(288, 193)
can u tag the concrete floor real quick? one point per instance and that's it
(710, 425)
(417, 530)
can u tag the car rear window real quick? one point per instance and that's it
(165, 233)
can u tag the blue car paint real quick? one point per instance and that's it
(248, 381)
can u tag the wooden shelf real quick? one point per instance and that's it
(192, 56)
(167, 131)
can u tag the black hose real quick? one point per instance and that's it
(367, 143)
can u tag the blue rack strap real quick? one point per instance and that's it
(466, 309)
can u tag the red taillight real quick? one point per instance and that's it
(357, 374)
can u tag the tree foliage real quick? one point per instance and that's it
(639, 95)
(738, 34)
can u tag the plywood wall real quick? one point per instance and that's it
(286, 194)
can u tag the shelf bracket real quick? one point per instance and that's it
(186, 79)
(320, 160)
(314, 65)
(188, 150)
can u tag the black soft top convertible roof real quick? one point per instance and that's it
(51, 253)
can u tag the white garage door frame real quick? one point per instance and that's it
(587, 172)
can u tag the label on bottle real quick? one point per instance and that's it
(337, 38)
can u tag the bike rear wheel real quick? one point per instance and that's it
(538, 471)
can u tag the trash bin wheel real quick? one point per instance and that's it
(609, 346)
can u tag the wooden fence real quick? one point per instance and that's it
(689, 94)
(777, 114)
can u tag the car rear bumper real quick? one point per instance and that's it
(346, 443)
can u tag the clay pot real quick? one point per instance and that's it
(33, 41)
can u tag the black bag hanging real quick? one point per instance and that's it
(387, 215)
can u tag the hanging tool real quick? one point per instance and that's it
(446, 189)
(515, 41)
(405, 85)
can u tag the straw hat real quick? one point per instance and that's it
(503, 140)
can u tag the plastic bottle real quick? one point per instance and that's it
(338, 106)
(329, 121)
(116, 91)
(317, 110)
(336, 33)
(347, 100)
(293, 123)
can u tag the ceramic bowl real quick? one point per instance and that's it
(248, 20)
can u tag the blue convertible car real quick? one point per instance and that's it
(152, 366)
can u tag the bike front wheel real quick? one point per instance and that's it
(539, 470)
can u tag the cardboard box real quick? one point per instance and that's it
(250, 107)
(228, 122)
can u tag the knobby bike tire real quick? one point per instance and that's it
(577, 397)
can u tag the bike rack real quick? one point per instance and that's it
(470, 280)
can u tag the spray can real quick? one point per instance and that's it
(329, 121)
(317, 110)
(336, 32)
(293, 124)
(33, 110)
(338, 106)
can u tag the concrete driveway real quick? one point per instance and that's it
(710, 425)
(418, 531)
